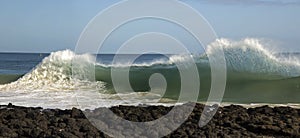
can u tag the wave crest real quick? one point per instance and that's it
(250, 55)
(54, 73)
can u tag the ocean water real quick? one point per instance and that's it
(255, 76)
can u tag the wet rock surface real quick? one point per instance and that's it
(229, 121)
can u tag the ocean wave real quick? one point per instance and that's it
(249, 55)
(54, 73)
(66, 71)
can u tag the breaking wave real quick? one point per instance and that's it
(54, 73)
(251, 68)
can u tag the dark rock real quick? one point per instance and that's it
(230, 121)
(76, 113)
(9, 105)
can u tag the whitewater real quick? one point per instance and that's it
(64, 79)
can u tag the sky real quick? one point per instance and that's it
(51, 25)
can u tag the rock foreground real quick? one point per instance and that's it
(229, 121)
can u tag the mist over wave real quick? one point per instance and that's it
(250, 55)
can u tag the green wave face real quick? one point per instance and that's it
(241, 87)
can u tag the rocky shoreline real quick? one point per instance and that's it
(229, 121)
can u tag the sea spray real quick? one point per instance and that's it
(54, 73)
(250, 55)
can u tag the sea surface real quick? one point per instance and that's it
(255, 76)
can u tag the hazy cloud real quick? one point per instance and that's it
(255, 2)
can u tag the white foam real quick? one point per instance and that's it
(54, 74)
(172, 60)
(79, 99)
(250, 55)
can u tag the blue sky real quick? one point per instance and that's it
(51, 25)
